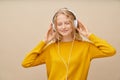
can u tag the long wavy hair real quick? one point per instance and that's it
(71, 16)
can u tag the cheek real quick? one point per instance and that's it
(71, 30)
(58, 28)
(70, 27)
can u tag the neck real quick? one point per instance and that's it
(67, 39)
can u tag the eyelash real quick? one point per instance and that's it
(67, 23)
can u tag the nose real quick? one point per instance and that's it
(63, 25)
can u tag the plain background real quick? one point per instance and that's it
(23, 24)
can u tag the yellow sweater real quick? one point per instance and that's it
(83, 52)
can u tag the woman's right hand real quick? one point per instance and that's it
(50, 35)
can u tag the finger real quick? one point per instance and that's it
(50, 28)
(79, 30)
(82, 26)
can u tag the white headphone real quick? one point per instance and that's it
(75, 19)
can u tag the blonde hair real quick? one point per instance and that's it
(72, 17)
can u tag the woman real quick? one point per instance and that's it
(66, 55)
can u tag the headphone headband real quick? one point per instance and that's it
(75, 19)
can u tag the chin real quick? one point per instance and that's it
(65, 34)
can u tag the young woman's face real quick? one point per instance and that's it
(64, 26)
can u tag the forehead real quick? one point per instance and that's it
(63, 17)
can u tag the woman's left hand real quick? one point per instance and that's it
(83, 30)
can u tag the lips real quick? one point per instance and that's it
(64, 31)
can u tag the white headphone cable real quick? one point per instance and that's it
(66, 63)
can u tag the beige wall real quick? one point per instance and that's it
(24, 23)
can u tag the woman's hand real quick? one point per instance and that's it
(83, 30)
(50, 35)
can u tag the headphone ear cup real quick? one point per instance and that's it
(75, 23)
(53, 26)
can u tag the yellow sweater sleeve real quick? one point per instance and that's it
(100, 48)
(36, 56)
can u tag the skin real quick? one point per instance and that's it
(64, 27)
